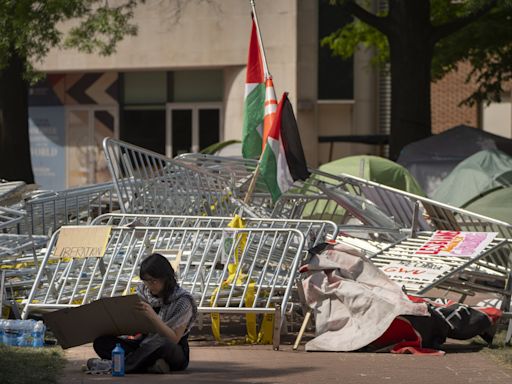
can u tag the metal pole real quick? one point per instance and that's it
(252, 185)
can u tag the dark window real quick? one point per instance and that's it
(144, 128)
(335, 75)
(208, 127)
(181, 131)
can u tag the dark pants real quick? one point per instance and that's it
(139, 357)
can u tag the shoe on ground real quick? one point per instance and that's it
(97, 365)
(160, 366)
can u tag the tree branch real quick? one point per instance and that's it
(447, 29)
(379, 23)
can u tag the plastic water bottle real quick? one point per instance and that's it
(24, 329)
(118, 361)
(10, 333)
(26, 339)
(38, 334)
(2, 326)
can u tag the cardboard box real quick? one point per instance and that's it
(107, 316)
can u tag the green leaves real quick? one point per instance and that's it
(32, 27)
(101, 29)
(346, 40)
(485, 42)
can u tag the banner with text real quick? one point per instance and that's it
(456, 243)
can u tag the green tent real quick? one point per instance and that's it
(495, 204)
(377, 169)
(474, 177)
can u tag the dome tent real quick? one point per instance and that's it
(432, 159)
(478, 174)
(377, 169)
(495, 204)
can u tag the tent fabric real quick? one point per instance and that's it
(432, 159)
(357, 306)
(377, 169)
(495, 204)
(478, 174)
(352, 300)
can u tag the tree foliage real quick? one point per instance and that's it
(486, 43)
(30, 28)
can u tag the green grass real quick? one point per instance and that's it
(499, 350)
(30, 365)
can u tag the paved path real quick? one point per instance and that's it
(260, 364)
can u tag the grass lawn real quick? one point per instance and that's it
(30, 365)
(499, 350)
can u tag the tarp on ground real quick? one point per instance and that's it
(377, 169)
(474, 177)
(357, 306)
(495, 204)
(432, 159)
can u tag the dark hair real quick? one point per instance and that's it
(157, 266)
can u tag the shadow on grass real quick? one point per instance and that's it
(30, 365)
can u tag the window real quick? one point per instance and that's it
(335, 75)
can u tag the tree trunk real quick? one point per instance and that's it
(411, 56)
(15, 160)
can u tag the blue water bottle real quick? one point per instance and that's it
(118, 361)
(38, 334)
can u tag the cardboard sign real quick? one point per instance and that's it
(108, 316)
(82, 241)
(414, 270)
(456, 243)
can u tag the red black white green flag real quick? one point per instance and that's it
(283, 160)
(259, 102)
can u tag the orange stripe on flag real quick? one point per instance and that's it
(270, 110)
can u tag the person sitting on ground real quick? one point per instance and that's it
(170, 308)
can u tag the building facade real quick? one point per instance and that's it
(178, 86)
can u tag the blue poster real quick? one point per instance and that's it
(47, 131)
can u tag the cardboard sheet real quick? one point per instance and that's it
(82, 241)
(106, 316)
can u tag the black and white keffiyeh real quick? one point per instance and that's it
(180, 310)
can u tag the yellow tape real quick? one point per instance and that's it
(250, 318)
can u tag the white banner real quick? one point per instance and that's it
(456, 243)
(414, 270)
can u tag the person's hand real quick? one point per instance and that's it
(146, 310)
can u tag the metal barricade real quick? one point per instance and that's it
(488, 271)
(18, 255)
(48, 211)
(10, 192)
(406, 210)
(314, 231)
(148, 182)
(266, 263)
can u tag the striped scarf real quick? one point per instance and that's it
(180, 302)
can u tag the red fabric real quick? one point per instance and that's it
(254, 63)
(402, 338)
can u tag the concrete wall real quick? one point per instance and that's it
(177, 34)
(497, 117)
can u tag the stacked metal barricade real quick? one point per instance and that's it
(184, 207)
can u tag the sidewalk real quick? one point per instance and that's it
(260, 364)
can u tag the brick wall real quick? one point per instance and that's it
(446, 96)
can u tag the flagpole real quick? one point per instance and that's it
(262, 50)
(252, 185)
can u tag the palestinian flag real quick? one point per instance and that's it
(254, 102)
(283, 159)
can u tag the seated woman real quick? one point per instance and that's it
(170, 308)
